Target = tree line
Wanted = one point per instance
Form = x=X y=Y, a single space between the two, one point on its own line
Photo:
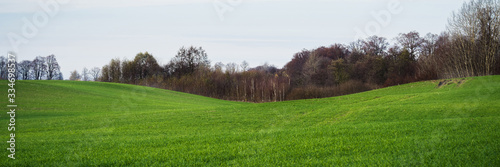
x=469 y=47
x=41 y=68
x=191 y=71
x=86 y=74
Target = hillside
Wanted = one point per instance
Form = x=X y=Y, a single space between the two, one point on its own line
x=437 y=123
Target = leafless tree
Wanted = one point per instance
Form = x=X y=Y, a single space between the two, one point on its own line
x=145 y=65
x=218 y=67
x=375 y=45
x=231 y=68
x=39 y=67
x=115 y=70
x=475 y=30
x=3 y=67
x=188 y=60
x=95 y=72
x=53 y=68
x=412 y=42
x=105 y=74
x=244 y=66
x=24 y=70
x=85 y=74
x=314 y=70
x=428 y=61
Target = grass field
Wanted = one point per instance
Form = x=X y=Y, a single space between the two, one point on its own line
x=434 y=123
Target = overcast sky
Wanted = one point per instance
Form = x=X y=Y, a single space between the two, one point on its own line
x=89 y=33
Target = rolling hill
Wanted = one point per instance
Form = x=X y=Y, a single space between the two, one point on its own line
x=437 y=123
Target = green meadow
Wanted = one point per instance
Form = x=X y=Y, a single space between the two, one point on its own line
x=434 y=123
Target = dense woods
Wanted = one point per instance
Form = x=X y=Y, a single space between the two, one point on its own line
x=470 y=47
x=41 y=68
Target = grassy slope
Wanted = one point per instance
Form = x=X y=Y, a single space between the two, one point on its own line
x=63 y=123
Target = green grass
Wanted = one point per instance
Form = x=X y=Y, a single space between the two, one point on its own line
x=64 y=123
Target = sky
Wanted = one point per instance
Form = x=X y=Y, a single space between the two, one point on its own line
x=89 y=33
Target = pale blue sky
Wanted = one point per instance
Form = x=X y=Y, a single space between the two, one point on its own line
x=89 y=33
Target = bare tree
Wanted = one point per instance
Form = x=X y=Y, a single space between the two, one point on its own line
x=428 y=45
x=218 y=67
x=357 y=46
x=105 y=74
x=39 y=68
x=428 y=62
x=130 y=72
x=475 y=30
x=115 y=70
x=375 y=45
x=53 y=68
x=95 y=72
x=244 y=66
x=188 y=60
x=231 y=68
x=3 y=67
x=412 y=42
x=294 y=69
x=85 y=74
x=315 y=69
x=24 y=70
x=145 y=65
